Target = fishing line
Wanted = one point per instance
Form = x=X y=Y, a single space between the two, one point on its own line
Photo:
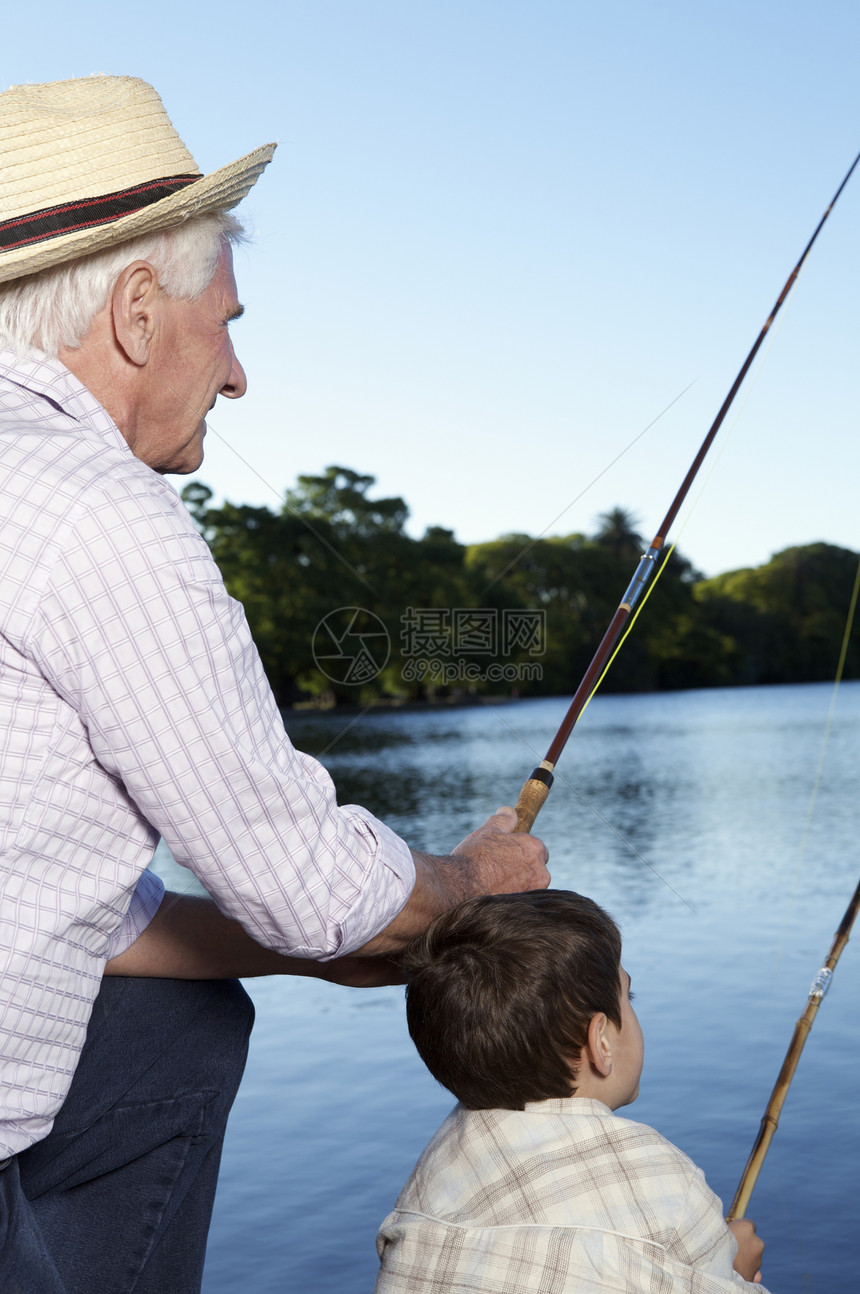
x=696 y=500
x=773 y=333
x=815 y=996
x=188 y=887
x=528 y=547
x=280 y=497
x=356 y=718
x=628 y=844
x=537 y=786
x=650 y=589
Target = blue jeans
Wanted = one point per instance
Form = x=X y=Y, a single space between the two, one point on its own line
x=118 y=1197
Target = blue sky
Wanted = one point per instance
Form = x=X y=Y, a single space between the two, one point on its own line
x=497 y=239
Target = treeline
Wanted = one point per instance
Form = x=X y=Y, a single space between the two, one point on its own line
x=343 y=603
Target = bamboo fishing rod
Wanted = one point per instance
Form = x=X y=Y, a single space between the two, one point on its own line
x=770 y=1119
x=817 y=991
x=536 y=787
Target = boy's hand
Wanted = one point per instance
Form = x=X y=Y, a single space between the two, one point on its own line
x=750 y=1249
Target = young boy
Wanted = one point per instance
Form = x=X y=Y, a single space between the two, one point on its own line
x=518 y=1004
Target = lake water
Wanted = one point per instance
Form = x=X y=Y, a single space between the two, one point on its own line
x=688 y=817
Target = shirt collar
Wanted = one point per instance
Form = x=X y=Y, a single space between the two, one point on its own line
x=46 y=377
x=576 y=1105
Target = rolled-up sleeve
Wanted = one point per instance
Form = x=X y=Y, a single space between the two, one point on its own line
x=137 y=632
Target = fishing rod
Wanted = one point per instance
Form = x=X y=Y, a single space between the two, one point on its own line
x=536 y=787
x=770 y=1119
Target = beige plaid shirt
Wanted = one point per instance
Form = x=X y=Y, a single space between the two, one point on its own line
x=561 y=1198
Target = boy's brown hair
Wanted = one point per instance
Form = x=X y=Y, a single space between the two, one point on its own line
x=501 y=990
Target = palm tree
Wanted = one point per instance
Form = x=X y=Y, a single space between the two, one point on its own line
x=617 y=532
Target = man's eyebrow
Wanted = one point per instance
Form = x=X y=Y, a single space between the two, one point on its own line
x=235 y=314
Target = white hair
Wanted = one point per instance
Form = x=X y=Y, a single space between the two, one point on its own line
x=43 y=312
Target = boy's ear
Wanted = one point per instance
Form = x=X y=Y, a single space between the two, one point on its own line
x=598 y=1045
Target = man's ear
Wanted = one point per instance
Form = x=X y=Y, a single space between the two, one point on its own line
x=134 y=309
x=598 y=1046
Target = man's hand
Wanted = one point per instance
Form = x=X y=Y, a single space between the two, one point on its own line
x=492 y=860
x=750 y=1249
x=502 y=861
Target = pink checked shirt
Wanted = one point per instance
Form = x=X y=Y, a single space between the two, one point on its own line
x=133 y=705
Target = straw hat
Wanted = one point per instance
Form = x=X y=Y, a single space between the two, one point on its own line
x=90 y=163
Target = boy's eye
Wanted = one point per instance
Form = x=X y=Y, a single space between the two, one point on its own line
x=630 y=995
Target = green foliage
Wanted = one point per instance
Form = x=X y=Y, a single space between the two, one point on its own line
x=339 y=500
x=333 y=546
x=787 y=618
x=617 y=532
x=329 y=547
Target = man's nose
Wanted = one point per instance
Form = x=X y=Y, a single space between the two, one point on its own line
x=237 y=384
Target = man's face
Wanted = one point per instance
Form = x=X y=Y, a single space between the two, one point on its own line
x=193 y=362
x=628 y=1048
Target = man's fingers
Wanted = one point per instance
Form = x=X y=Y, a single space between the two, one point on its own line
x=504 y=819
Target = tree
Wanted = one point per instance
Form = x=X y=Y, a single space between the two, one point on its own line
x=339 y=498
x=617 y=531
x=333 y=546
x=787 y=617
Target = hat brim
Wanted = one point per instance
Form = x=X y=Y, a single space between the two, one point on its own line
x=219 y=191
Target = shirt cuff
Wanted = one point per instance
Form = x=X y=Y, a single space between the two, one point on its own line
x=388 y=883
x=145 y=902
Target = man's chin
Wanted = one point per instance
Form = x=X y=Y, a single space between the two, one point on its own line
x=185 y=470
x=191 y=456
x=186 y=464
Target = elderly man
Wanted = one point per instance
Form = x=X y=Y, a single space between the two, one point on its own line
x=133 y=705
